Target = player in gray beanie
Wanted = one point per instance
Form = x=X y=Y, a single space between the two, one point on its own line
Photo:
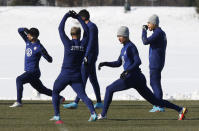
x=123 y=31
x=157 y=53
x=154 y=19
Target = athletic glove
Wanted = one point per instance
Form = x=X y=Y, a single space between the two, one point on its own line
x=123 y=75
x=101 y=64
x=26 y=31
x=85 y=61
x=145 y=27
x=73 y=14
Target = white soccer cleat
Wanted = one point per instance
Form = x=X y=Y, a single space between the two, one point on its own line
x=100 y=117
x=55 y=118
x=16 y=104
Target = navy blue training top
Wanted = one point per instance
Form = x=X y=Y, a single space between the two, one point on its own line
x=93 y=46
x=73 y=49
x=33 y=53
x=157 y=50
x=129 y=57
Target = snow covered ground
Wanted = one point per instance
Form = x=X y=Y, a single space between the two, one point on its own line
x=180 y=77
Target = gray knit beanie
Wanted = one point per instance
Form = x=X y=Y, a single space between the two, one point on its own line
x=154 y=19
x=123 y=31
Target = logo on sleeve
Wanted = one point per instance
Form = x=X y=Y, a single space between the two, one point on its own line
x=125 y=52
x=123 y=60
x=28 y=52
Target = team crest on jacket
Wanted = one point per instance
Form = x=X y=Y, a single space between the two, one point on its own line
x=35 y=48
x=28 y=52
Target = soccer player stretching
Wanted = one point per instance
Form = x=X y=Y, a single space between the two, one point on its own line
x=71 y=68
x=33 y=53
x=132 y=77
x=89 y=64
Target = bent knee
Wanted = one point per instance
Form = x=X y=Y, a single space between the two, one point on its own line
x=109 y=89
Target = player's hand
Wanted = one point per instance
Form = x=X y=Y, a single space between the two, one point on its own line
x=85 y=61
x=101 y=64
x=73 y=14
x=145 y=27
x=26 y=30
x=123 y=75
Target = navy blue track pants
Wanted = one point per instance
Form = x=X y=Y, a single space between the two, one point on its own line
x=77 y=85
x=89 y=71
x=35 y=82
x=139 y=83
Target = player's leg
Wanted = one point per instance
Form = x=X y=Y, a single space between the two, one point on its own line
x=155 y=82
x=79 y=89
x=85 y=73
x=59 y=85
x=146 y=93
x=95 y=84
x=20 y=81
x=118 y=85
x=38 y=85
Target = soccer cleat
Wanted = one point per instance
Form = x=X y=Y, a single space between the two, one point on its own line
x=55 y=118
x=62 y=100
x=160 y=109
x=59 y=122
x=98 y=105
x=71 y=105
x=157 y=109
x=93 y=117
x=153 y=109
x=182 y=113
x=16 y=104
x=100 y=117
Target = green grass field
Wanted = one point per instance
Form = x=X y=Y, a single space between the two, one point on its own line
x=122 y=116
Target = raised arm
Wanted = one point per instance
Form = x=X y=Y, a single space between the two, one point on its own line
x=63 y=36
x=86 y=31
x=150 y=39
x=23 y=33
x=134 y=55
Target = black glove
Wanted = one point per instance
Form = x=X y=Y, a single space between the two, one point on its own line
x=123 y=75
x=26 y=31
x=73 y=14
x=85 y=61
x=101 y=64
x=145 y=27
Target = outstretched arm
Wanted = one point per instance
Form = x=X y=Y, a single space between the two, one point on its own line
x=117 y=63
x=150 y=39
x=64 y=37
x=23 y=33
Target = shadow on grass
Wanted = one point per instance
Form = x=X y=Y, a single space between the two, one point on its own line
x=149 y=119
